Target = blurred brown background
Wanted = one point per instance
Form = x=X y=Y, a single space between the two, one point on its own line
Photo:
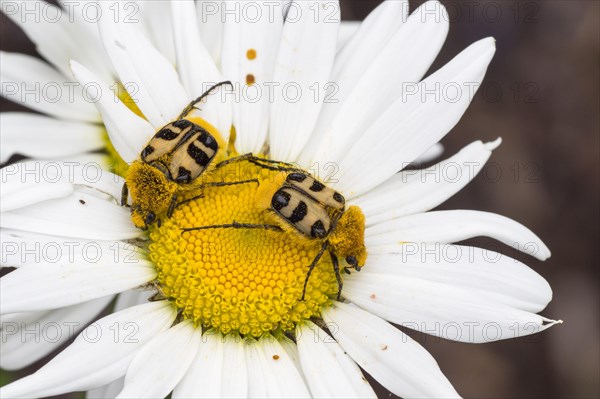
x=542 y=97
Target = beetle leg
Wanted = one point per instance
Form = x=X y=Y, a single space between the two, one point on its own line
x=312 y=267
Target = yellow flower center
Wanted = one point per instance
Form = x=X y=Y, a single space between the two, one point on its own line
x=248 y=280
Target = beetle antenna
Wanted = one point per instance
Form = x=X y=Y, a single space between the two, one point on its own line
x=192 y=104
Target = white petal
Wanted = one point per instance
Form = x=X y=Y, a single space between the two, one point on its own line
x=84 y=20
x=460 y=293
x=124 y=300
x=194 y=64
x=205 y=374
x=22 y=248
x=263 y=35
x=197 y=69
x=57 y=38
x=302 y=71
x=132 y=298
x=156 y=19
x=43 y=137
x=25 y=343
x=292 y=350
x=257 y=378
x=330 y=372
x=435 y=151
x=372 y=35
x=89 y=158
x=452 y=226
x=78 y=215
x=414 y=191
x=22 y=317
x=50 y=36
x=272 y=373
x=210 y=25
x=405 y=58
x=146 y=74
x=33 y=181
x=396 y=361
x=31 y=288
x=218 y=371
x=347 y=30
x=234 y=383
x=34 y=84
x=475 y=270
x=128 y=132
x=162 y=362
x=110 y=390
x=29 y=194
x=419 y=119
x=99 y=355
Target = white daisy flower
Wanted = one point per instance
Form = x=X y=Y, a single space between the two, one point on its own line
x=216 y=298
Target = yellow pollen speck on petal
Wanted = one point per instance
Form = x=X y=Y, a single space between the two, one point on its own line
x=250 y=79
x=245 y=280
x=251 y=54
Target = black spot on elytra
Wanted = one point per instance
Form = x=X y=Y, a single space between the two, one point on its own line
x=147 y=151
x=297 y=177
x=339 y=198
x=209 y=141
x=299 y=213
x=317 y=186
x=181 y=123
x=166 y=134
x=280 y=200
x=317 y=230
x=198 y=155
x=183 y=175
